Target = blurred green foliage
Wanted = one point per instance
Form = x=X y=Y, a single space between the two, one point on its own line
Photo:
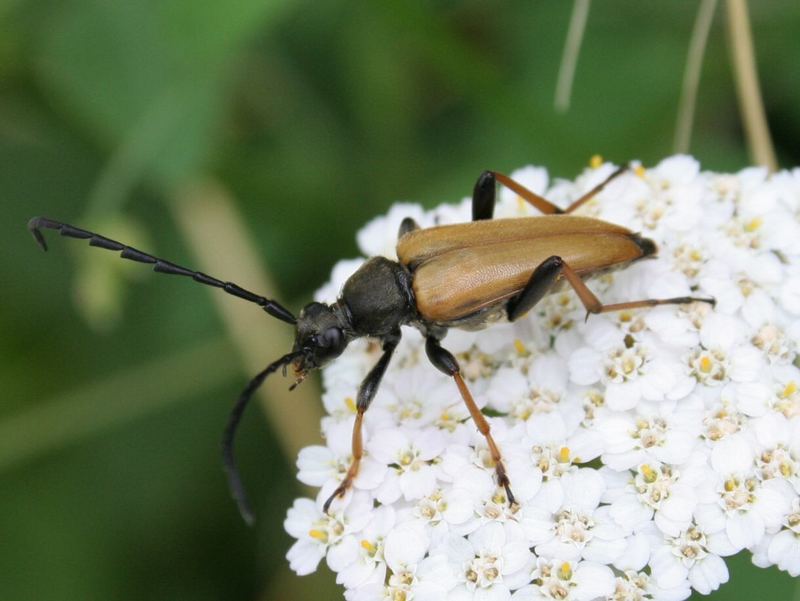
x=317 y=116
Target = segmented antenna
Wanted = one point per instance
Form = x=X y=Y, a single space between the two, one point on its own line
x=228 y=460
x=272 y=307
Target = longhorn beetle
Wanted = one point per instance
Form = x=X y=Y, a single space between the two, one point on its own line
x=453 y=276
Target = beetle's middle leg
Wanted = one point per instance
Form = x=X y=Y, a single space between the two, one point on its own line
x=366 y=392
x=444 y=361
x=485 y=192
x=548 y=271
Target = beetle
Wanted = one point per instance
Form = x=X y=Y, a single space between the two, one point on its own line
x=464 y=275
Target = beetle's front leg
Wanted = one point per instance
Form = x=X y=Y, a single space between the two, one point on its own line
x=446 y=363
x=366 y=392
x=548 y=271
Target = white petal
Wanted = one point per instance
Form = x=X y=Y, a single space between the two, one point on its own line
x=667 y=569
x=547 y=428
x=621 y=397
x=772 y=504
x=747 y=364
x=343 y=553
x=528 y=593
x=752 y=397
x=304 y=557
x=430 y=443
x=592 y=580
x=489 y=537
x=315 y=465
x=418 y=483
x=300 y=517
x=745 y=529
x=636 y=554
x=706 y=575
x=583 y=490
x=732 y=454
x=784 y=550
x=584 y=366
x=405 y=545
x=386 y=444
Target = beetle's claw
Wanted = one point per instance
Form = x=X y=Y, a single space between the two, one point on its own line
x=339 y=492
x=503 y=480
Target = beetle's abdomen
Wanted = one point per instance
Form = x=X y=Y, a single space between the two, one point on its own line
x=465 y=269
x=378 y=297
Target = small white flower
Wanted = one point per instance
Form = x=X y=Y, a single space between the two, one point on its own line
x=694 y=555
x=567 y=581
x=656 y=492
x=571 y=526
x=318 y=465
x=524 y=396
x=318 y=533
x=410 y=472
x=639 y=585
x=746 y=506
x=782 y=549
x=778 y=449
x=492 y=560
x=631 y=370
x=360 y=558
x=656 y=433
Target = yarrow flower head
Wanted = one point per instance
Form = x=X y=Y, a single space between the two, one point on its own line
x=642 y=446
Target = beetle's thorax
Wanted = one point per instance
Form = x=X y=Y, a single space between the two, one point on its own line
x=377 y=299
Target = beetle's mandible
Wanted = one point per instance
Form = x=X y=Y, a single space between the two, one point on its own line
x=454 y=276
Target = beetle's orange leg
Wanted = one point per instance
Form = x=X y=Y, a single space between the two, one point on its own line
x=366 y=392
x=540 y=202
x=444 y=361
x=545 y=275
x=594 y=191
x=483 y=196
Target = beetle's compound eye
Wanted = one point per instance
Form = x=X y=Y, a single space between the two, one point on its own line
x=330 y=338
x=328 y=345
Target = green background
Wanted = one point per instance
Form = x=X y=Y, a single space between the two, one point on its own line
x=314 y=117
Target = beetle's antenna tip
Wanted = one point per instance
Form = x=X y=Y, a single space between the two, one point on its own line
x=33 y=228
x=248 y=517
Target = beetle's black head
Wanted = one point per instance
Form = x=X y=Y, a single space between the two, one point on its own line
x=320 y=337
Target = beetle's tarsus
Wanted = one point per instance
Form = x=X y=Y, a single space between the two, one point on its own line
x=340 y=491
x=504 y=481
x=33 y=228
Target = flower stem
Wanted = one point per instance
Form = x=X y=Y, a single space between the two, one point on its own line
x=750 y=100
x=210 y=224
x=691 y=76
x=569 y=60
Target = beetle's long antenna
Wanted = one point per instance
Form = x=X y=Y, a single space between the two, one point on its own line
x=228 y=460
x=272 y=307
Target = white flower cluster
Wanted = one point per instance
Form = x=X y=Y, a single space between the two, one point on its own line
x=642 y=446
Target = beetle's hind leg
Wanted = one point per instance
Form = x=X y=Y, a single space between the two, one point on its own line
x=446 y=363
x=485 y=192
x=366 y=392
x=545 y=275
